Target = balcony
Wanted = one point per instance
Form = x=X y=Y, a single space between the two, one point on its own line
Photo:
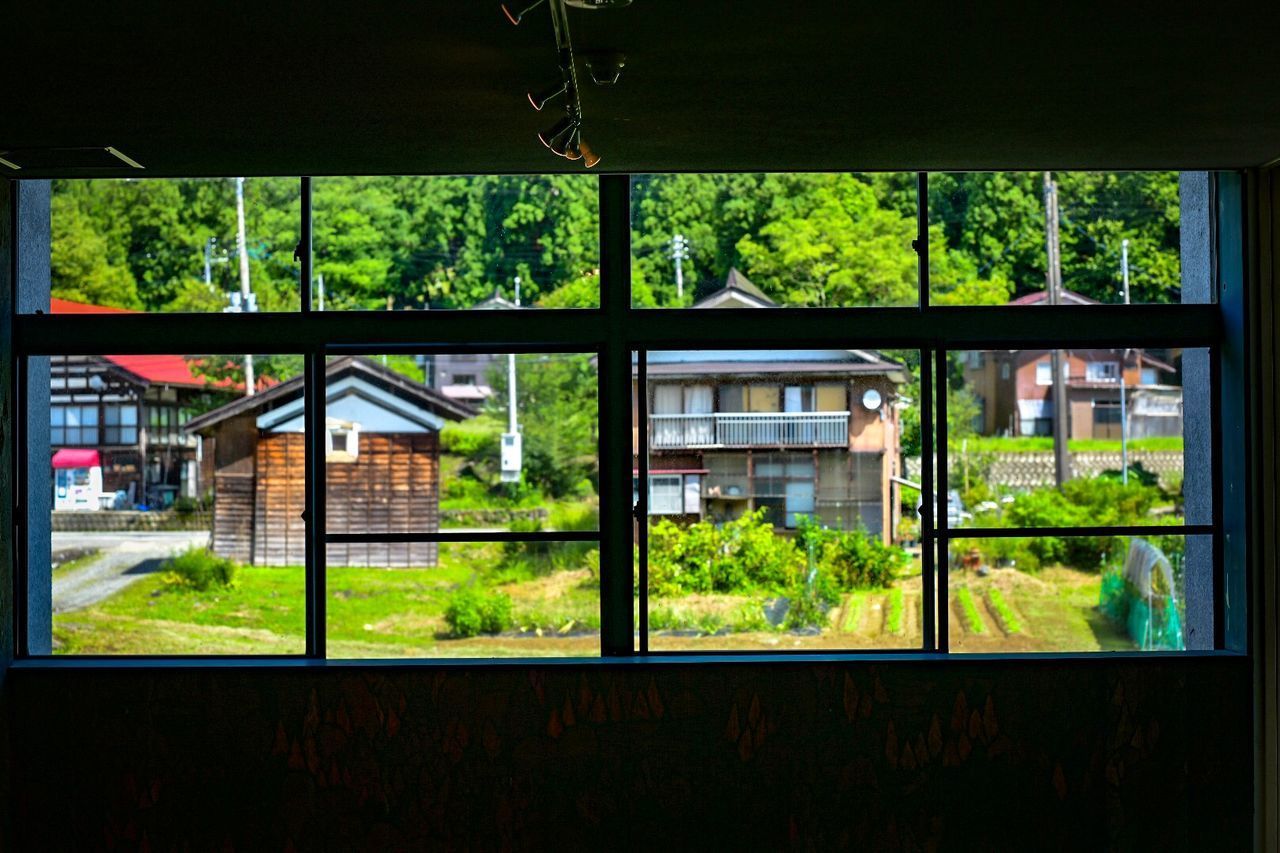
x=750 y=429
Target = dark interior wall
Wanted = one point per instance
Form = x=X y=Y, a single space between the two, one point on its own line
x=1031 y=754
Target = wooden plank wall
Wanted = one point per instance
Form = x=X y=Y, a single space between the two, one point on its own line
x=279 y=500
x=391 y=487
x=233 y=516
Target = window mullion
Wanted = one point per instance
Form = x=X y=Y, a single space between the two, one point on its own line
x=940 y=505
x=617 y=629
x=314 y=436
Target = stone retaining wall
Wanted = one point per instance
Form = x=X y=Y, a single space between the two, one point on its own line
x=1032 y=470
x=124 y=520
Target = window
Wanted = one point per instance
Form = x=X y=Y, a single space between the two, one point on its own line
x=1102 y=371
x=121 y=424
x=829 y=465
x=666 y=495
x=74 y=425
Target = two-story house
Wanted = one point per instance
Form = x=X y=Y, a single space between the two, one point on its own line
x=809 y=432
x=116 y=426
x=1014 y=388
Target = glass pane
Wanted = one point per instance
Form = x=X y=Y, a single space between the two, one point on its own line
x=1080 y=593
x=173 y=244
x=411 y=449
x=988 y=238
x=474 y=599
x=1136 y=452
x=497 y=242
x=784 y=528
x=773 y=240
x=178 y=542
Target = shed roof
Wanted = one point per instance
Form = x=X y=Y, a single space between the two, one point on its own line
x=370 y=371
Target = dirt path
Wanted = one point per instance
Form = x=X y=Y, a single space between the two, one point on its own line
x=124 y=558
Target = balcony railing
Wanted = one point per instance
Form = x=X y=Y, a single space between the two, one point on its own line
x=750 y=429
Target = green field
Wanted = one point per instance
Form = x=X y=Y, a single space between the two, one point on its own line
x=399 y=613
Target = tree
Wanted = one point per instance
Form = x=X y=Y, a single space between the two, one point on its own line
x=557 y=400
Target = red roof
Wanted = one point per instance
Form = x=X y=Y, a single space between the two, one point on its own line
x=66 y=306
x=156 y=369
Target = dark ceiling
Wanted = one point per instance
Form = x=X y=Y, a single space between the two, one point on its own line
x=375 y=86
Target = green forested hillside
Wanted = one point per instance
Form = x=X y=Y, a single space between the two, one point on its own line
x=449 y=242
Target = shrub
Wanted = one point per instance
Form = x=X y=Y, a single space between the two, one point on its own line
x=858 y=560
x=471 y=612
x=474 y=438
x=200 y=569
x=744 y=554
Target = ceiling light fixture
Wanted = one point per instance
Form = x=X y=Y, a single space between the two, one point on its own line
x=539 y=99
x=564 y=138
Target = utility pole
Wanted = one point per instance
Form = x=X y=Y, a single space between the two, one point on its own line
x=511 y=376
x=680 y=253
x=320 y=279
x=246 y=300
x=1053 y=282
x=1124 y=356
x=511 y=456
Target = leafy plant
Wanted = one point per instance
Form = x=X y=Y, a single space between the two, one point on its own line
x=471 y=612
x=1008 y=619
x=969 y=609
x=200 y=569
x=896 y=613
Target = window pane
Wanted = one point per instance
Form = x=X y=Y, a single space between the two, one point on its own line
x=770 y=240
x=988 y=238
x=1001 y=446
x=1080 y=593
x=172 y=244
x=411 y=450
x=474 y=599
x=414 y=242
x=783 y=527
x=183 y=544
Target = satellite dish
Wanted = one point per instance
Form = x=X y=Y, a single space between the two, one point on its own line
x=871 y=399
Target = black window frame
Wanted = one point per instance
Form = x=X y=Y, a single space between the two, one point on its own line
x=620 y=336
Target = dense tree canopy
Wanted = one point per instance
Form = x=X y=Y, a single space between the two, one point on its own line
x=450 y=242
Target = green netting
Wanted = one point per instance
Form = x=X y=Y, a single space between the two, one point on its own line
x=1140 y=599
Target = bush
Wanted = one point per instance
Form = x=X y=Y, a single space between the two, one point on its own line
x=471 y=612
x=743 y=554
x=200 y=569
x=858 y=560
x=1100 y=501
x=474 y=438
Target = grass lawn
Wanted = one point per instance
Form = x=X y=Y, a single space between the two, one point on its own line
x=371 y=613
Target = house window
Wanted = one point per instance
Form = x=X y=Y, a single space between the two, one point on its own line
x=803 y=314
x=73 y=425
x=120 y=424
x=1004 y=370
x=464 y=379
x=666 y=494
x=1102 y=371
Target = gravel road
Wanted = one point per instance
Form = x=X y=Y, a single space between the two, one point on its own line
x=124 y=559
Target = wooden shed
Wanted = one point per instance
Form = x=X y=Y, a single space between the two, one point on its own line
x=382 y=471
